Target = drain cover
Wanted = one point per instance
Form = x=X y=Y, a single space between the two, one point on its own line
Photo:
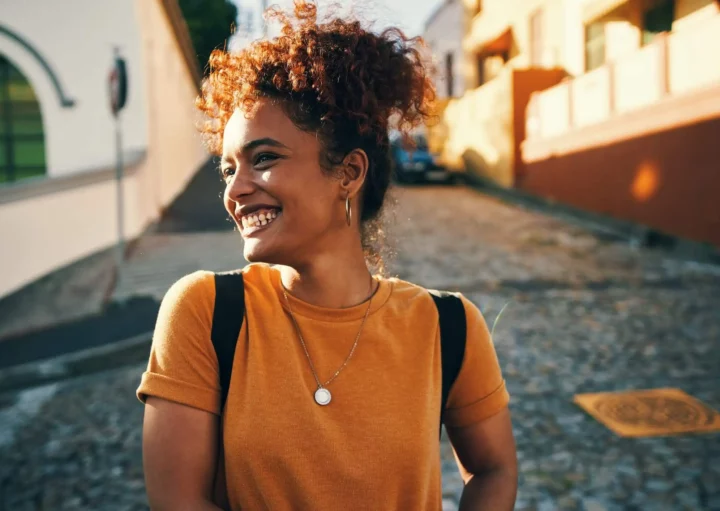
x=655 y=412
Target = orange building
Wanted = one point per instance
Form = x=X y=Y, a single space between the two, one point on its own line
x=637 y=135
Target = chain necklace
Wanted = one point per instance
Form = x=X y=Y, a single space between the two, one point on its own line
x=322 y=394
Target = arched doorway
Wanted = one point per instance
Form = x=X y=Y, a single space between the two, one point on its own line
x=22 y=139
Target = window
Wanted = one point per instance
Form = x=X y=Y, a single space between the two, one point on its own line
x=449 y=78
x=594 y=46
x=22 y=142
x=657 y=19
x=536 y=39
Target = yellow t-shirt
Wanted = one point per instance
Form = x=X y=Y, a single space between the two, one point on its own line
x=375 y=446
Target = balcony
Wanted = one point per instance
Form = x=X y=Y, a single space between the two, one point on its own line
x=669 y=83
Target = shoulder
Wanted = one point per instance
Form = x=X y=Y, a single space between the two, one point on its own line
x=258 y=273
x=196 y=283
x=413 y=292
x=194 y=293
x=407 y=291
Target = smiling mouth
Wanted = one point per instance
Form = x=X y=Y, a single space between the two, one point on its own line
x=258 y=220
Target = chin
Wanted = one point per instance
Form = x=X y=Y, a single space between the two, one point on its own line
x=255 y=252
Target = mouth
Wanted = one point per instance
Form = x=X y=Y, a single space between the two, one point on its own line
x=258 y=220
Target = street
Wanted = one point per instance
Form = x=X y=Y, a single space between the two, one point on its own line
x=583 y=312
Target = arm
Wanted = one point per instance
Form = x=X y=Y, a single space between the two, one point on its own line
x=486 y=455
x=179 y=456
x=181 y=392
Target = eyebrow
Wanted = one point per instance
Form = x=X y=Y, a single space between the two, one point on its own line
x=262 y=141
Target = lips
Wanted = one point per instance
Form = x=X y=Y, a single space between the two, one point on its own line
x=256 y=219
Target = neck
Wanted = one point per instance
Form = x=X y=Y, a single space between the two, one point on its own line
x=331 y=280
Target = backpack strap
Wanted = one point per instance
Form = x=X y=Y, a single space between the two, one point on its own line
x=453 y=333
x=228 y=317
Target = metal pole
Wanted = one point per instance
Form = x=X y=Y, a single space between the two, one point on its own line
x=120 y=248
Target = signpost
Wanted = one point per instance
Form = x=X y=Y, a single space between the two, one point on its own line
x=118 y=86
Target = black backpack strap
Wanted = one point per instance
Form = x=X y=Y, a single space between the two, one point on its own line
x=453 y=333
x=228 y=317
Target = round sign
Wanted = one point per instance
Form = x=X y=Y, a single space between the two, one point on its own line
x=118 y=85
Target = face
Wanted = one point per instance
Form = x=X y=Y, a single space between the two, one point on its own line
x=285 y=207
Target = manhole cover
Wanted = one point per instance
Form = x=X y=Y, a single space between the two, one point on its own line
x=653 y=412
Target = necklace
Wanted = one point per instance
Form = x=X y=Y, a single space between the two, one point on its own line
x=322 y=394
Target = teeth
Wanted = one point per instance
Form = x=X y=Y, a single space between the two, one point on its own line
x=257 y=220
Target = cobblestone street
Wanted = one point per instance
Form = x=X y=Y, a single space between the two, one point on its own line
x=583 y=313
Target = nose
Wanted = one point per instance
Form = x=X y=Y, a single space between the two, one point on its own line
x=240 y=184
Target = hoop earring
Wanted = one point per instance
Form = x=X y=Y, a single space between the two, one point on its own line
x=348 y=211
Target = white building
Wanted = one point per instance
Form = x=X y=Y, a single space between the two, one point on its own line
x=444 y=35
x=57 y=137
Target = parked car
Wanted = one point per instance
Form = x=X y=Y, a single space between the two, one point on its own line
x=413 y=161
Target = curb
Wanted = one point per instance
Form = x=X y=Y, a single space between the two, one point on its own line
x=92 y=360
x=637 y=235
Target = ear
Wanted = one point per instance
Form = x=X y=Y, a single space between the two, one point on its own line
x=354 y=171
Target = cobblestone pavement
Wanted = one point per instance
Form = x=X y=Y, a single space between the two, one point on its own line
x=584 y=313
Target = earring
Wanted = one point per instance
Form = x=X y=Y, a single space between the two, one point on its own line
x=348 y=211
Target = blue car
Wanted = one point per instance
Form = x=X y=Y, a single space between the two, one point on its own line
x=415 y=164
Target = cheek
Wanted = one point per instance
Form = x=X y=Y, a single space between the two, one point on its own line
x=227 y=203
x=314 y=201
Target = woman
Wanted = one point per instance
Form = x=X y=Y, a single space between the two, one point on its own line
x=334 y=398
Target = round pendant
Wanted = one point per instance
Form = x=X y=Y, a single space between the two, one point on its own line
x=322 y=396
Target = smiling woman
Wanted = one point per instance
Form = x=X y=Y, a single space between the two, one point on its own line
x=339 y=378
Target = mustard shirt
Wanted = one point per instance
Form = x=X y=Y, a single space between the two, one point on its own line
x=375 y=446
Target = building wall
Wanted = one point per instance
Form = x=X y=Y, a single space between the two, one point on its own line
x=667 y=180
x=76 y=37
x=175 y=147
x=487 y=125
x=444 y=34
x=498 y=15
x=480 y=130
x=688 y=12
x=636 y=139
x=623 y=26
x=71 y=214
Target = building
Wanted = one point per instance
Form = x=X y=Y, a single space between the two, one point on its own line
x=444 y=34
x=58 y=193
x=636 y=134
x=511 y=48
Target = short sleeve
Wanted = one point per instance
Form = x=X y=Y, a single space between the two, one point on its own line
x=183 y=366
x=479 y=391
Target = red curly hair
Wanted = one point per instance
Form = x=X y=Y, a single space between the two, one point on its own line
x=335 y=79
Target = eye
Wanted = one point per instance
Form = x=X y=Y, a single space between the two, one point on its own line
x=227 y=172
x=264 y=158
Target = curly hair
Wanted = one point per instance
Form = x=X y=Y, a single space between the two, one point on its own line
x=335 y=79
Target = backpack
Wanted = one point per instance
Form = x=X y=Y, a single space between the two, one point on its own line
x=229 y=313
